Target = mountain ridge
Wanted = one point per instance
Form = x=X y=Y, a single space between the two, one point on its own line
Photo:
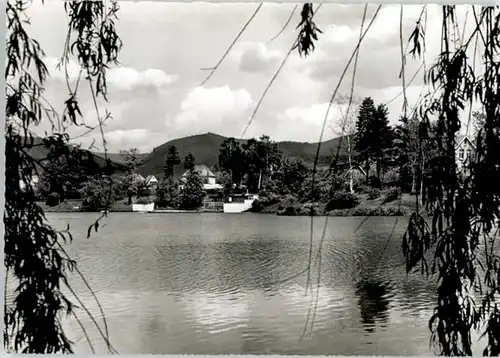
x=205 y=148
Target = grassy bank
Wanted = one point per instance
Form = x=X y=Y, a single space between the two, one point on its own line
x=367 y=204
x=70 y=206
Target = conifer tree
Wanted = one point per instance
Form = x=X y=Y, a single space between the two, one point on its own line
x=364 y=139
x=383 y=138
x=171 y=160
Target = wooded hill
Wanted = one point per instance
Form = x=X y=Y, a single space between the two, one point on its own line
x=39 y=152
x=205 y=148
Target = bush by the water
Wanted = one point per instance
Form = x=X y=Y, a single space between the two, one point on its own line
x=300 y=210
x=52 y=199
x=263 y=202
x=288 y=200
x=342 y=200
x=373 y=194
x=374 y=182
x=392 y=194
x=364 y=211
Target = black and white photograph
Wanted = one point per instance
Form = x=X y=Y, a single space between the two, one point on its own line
x=251 y=178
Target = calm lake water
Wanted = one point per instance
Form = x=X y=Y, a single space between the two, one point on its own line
x=220 y=284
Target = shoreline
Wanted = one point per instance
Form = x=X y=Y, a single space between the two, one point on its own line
x=373 y=208
x=402 y=206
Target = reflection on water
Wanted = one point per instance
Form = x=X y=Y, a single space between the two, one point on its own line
x=373 y=303
x=220 y=284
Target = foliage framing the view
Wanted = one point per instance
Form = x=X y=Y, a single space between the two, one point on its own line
x=465 y=209
x=34 y=252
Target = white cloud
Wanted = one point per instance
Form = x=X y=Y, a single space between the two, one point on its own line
x=255 y=57
x=304 y=123
x=144 y=91
x=130 y=135
x=126 y=78
x=121 y=78
x=211 y=109
x=61 y=70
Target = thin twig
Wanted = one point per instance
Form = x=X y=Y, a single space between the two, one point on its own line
x=403 y=90
x=355 y=52
x=389 y=239
x=91 y=291
x=310 y=255
x=403 y=62
x=261 y=99
x=89 y=314
x=470 y=102
x=330 y=103
x=317 y=263
x=353 y=82
x=84 y=330
x=232 y=44
x=285 y=25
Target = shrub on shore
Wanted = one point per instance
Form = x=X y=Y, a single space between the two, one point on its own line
x=263 y=202
x=301 y=210
x=373 y=194
x=342 y=200
x=393 y=194
x=364 y=211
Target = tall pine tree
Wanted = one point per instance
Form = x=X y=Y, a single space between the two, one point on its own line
x=231 y=159
x=364 y=133
x=374 y=139
x=171 y=160
x=406 y=147
x=383 y=139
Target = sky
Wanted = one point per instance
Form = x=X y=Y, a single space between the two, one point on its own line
x=155 y=93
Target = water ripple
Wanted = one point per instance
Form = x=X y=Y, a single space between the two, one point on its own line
x=220 y=284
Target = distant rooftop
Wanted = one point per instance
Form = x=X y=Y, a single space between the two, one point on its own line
x=202 y=170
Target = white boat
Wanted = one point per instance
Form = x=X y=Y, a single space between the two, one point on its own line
x=239 y=203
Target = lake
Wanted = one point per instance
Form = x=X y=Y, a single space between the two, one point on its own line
x=224 y=284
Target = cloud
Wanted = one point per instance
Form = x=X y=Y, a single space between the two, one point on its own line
x=145 y=88
x=120 y=78
x=379 y=62
x=304 y=123
x=59 y=70
x=256 y=57
x=125 y=78
x=214 y=109
x=136 y=136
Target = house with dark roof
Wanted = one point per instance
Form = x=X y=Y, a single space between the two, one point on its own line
x=207 y=176
x=137 y=178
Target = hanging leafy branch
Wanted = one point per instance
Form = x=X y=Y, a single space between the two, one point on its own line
x=308 y=33
x=465 y=207
x=34 y=255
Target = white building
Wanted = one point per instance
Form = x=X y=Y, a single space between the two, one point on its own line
x=152 y=182
x=207 y=176
x=465 y=150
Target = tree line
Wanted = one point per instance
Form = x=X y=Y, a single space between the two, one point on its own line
x=382 y=156
x=385 y=155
